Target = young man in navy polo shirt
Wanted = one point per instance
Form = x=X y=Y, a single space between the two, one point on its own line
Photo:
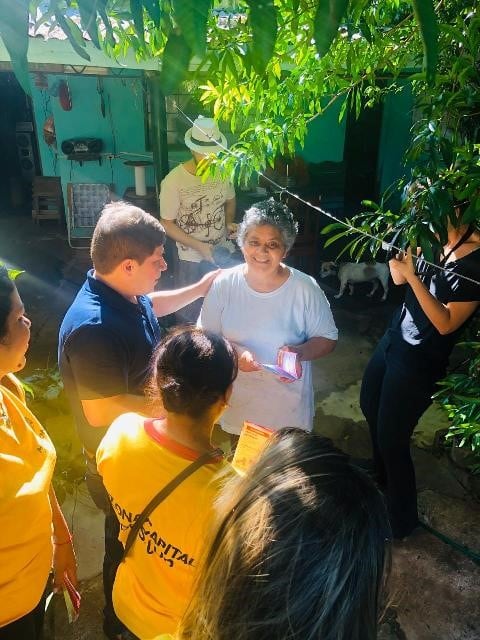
x=105 y=343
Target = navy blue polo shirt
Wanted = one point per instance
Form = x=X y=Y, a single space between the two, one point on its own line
x=104 y=349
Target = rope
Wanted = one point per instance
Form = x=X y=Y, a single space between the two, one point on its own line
x=464 y=550
x=472 y=555
x=350 y=227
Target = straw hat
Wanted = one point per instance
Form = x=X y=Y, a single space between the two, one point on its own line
x=204 y=135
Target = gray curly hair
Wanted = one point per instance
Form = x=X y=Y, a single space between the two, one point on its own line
x=269 y=212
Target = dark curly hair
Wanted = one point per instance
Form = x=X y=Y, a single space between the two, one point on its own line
x=273 y=213
x=191 y=369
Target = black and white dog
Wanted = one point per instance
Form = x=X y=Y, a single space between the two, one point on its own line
x=353 y=272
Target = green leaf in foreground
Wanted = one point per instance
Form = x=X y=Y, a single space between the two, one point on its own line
x=327 y=20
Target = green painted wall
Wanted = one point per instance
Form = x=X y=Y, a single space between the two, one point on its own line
x=122 y=128
x=395 y=138
x=325 y=138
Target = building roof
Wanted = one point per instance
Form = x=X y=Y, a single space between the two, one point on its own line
x=49 y=46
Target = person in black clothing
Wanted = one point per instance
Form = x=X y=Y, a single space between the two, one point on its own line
x=412 y=357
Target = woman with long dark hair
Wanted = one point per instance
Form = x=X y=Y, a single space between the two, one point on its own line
x=300 y=550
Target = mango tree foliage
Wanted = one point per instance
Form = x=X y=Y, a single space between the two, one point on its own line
x=270 y=111
x=269 y=66
x=266 y=68
x=444 y=154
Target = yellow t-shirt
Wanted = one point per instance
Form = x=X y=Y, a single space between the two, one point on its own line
x=153 y=586
x=27 y=460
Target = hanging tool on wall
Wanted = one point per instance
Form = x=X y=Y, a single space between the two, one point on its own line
x=60 y=89
x=100 y=91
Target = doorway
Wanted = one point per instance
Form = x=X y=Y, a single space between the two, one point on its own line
x=362 y=139
x=19 y=160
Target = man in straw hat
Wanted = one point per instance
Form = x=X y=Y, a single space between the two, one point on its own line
x=197 y=213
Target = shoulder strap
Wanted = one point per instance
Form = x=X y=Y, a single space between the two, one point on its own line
x=463 y=239
x=205 y=458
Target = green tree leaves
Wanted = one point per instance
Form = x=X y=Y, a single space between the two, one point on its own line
x=136 y=9
x=275 y=34
x=427 y=23
x=88 y=17
x=176 y=57
x=14 y=33
x=264 y=26
x=189 y=38
x=191 y=17
x=154 y=11
x=12 y=273
x=327 y=20
x=73 y=33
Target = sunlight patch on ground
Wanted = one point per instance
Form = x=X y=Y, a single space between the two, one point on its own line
x=343 y=404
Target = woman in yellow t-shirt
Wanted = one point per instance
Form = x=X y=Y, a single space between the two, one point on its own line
x=30 y=518
x=192 y=376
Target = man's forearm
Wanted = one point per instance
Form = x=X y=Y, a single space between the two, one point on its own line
x=100 y=413
x=165 y=302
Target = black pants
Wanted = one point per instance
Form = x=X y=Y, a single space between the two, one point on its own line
x=396 y=390
x=113 y=547
x=28 y=627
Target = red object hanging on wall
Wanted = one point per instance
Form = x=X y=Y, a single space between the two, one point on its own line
x=64 y=96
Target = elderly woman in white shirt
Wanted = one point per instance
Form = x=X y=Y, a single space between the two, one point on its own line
x=265 y=308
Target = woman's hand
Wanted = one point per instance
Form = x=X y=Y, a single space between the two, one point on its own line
x=401 y=267
x=232 y=228
x=206 y=251
x=247 y=362
x=298 y=365
x=64 y=562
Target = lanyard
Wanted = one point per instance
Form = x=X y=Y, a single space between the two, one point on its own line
x=463 y=239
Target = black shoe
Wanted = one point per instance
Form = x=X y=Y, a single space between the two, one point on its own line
x=402 y=534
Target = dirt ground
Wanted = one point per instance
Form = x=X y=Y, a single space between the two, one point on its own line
x=434 y=588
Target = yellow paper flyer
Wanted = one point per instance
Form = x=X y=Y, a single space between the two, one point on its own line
x=253 y=440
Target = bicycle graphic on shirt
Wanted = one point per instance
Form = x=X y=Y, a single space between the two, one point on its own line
x=204 y=216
